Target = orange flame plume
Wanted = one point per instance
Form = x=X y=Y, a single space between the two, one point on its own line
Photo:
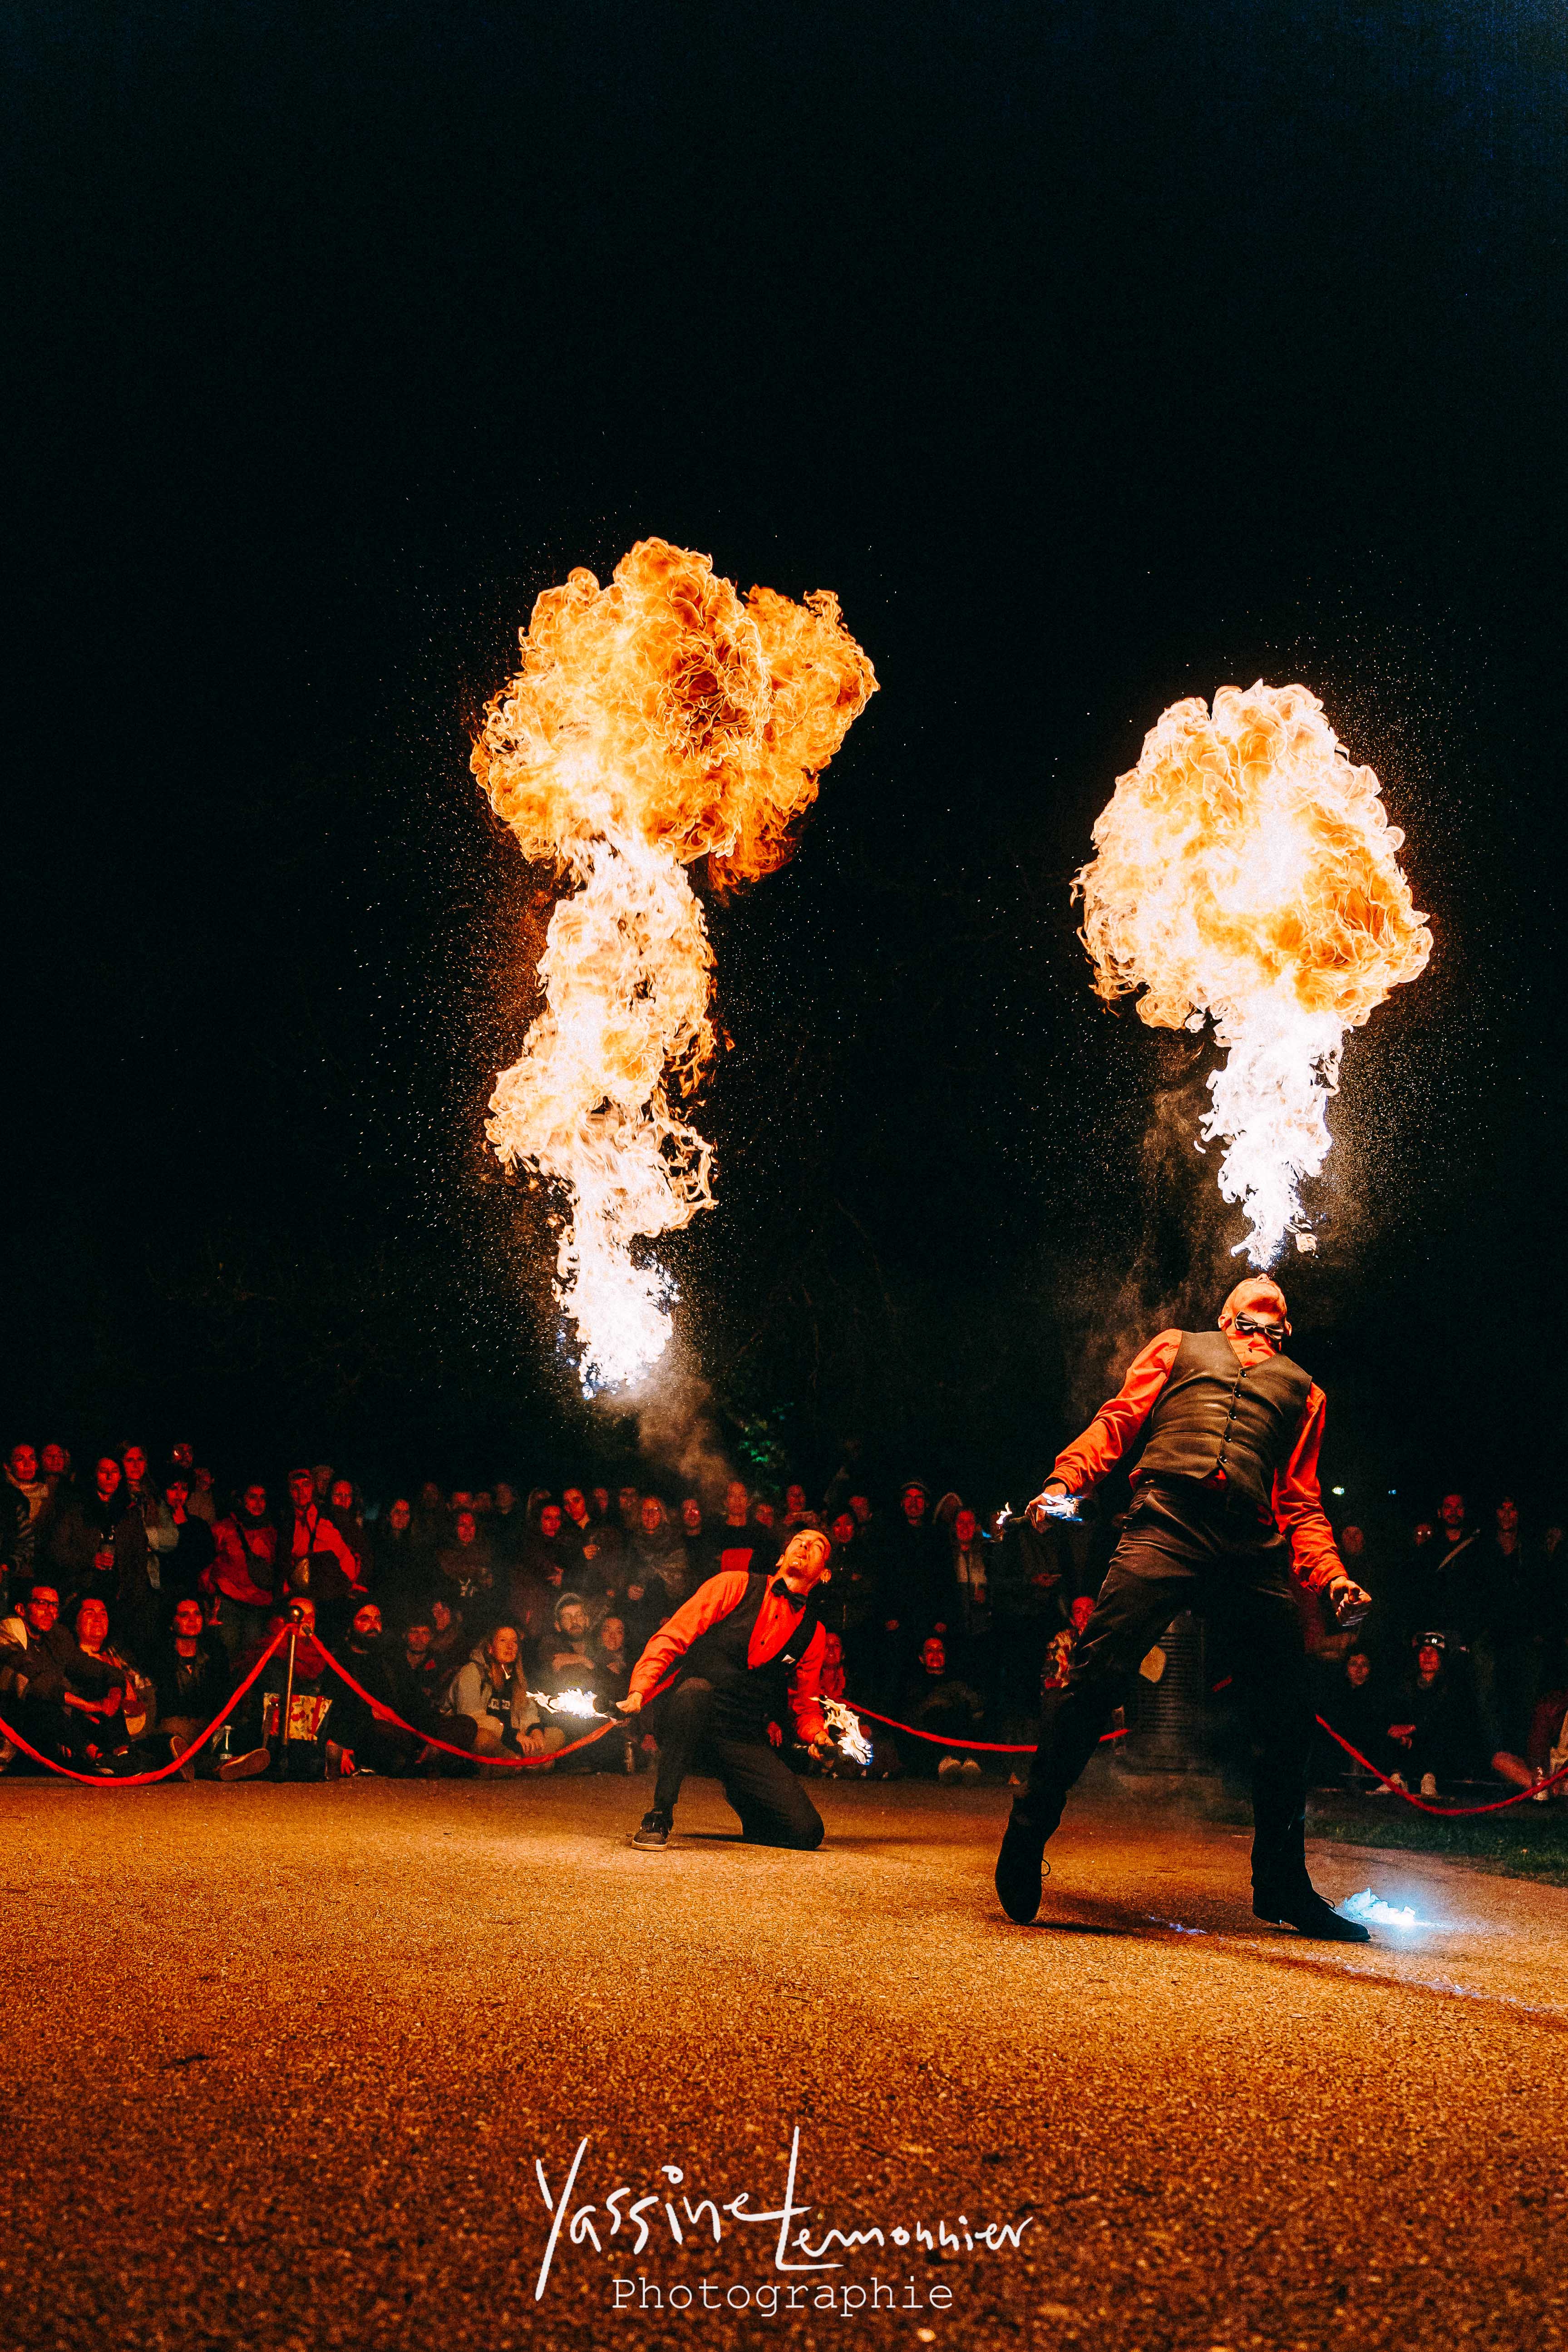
x=1246 y=872
x=652 y=724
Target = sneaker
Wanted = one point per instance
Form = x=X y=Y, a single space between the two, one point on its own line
x=949 y=1768
x=1389 y=1788
x=245 y=1767
x=970 y=1767
x=654 y=1834
x=186 y=1762
x=1428 y=1784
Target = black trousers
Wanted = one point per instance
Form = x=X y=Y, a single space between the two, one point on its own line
x=695 y=1732
x=1181 y=1551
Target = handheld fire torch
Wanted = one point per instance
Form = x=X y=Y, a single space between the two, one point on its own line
x=844 y=1725
x=570 y=1702
x=1062 y=1508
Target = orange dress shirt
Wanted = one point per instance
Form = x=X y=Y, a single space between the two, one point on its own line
x=1297 y=1502
x=776 y=1621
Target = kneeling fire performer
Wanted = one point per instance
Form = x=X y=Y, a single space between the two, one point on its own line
x=752 y=1649
x=1224 y=1505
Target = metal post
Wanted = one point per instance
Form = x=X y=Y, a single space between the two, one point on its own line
x=295 y=1618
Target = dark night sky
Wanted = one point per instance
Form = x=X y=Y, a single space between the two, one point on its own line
x=1094 y=356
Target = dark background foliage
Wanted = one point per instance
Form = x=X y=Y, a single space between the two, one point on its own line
x=1094 y=356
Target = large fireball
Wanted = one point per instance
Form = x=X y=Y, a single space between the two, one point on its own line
x=1246 y=873
x=651 y=723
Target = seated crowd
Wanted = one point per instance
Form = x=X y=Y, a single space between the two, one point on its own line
x=483 y=1627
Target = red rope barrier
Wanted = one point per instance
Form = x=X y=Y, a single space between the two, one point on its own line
x=146 y=1780
x=384 y=1714
x=986 y=1747
x=1442 y=1812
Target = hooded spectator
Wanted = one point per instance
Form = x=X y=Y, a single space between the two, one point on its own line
x=491 y=1690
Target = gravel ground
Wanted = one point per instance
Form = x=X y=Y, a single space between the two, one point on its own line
x=281 y=2061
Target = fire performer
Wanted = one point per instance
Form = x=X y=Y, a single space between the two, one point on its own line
x=1225 y=1500
x=752 y=1649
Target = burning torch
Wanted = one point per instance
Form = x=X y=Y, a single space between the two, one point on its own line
x=844 y=1728
x=570 y=1702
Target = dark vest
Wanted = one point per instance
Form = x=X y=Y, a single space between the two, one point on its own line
x=1230 y=1424
x=748 y=1698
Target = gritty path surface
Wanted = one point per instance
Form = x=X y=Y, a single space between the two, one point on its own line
x=280 y=2061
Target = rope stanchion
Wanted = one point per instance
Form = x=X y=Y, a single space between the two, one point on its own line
x=147 y=1779
x=1422 y=1804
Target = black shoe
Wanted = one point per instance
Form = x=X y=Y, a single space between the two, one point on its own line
x=654 y=1834
x=1306 y=1911
x=1020 y=1866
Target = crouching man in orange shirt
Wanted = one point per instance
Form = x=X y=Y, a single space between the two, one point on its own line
x=750 y=1649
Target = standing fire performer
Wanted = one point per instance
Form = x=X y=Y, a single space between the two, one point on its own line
x=1225 y=1502
x=752 y=1648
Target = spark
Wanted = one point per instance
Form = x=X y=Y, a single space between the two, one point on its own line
x=1371 y=1908
x=569 y=1702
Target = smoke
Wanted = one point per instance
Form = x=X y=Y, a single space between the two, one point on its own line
x=677 y=1428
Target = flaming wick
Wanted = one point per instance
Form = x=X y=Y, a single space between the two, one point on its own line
x=569 y=1702
x=845 y=1725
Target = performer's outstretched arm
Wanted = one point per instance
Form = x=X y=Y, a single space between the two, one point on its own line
x=675 y=1636
x=1299 y=1504
x=1115 y=1427
x=805 y=1690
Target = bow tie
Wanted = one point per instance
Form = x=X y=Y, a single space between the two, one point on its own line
x=795 y=1599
